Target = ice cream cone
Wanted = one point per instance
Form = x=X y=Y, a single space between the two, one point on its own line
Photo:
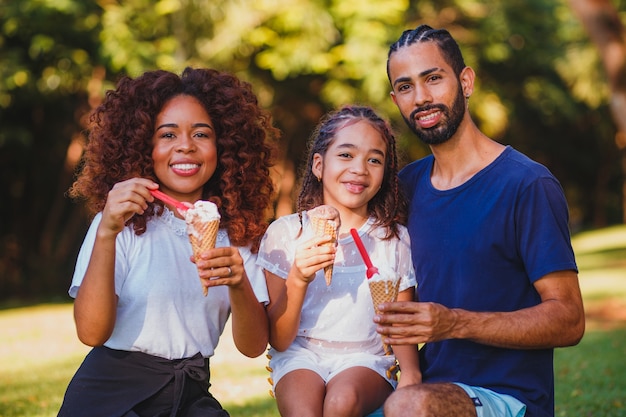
x=382 y=291
x=203 y=221
x=325 y=227
x=325 y=221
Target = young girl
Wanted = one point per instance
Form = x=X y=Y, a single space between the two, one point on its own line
x=326 y=358
x=138 y=298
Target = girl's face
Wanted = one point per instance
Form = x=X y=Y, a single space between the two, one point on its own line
x=353 y=168
x=185 y=148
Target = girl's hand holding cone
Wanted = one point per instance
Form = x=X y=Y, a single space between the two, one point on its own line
x=313 y=255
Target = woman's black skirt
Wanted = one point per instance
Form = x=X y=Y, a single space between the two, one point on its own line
x=112 y=383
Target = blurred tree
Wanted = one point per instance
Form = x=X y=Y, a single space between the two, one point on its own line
x=539 y=89
x=529 y=56
x=602 y=21
x=303 y=57
x=49 y=53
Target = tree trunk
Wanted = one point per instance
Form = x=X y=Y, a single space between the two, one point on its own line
x=602 y=22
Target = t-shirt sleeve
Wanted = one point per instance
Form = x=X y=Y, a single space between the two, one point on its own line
x=277 y=248
x=255 y=275
x=542 y=221
x=84 y=256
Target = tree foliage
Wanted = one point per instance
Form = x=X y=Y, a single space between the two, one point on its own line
x=606 y=30
x=49 y=50
x=540 y=88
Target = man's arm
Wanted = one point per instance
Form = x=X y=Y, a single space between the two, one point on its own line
x=556 y=322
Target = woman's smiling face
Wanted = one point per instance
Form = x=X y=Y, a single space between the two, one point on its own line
x=185 y=148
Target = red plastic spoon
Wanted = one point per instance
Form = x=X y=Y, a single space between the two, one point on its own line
x=371 y=269
x=167 y=199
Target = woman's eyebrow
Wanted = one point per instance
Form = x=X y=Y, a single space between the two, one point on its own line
x=172 y=125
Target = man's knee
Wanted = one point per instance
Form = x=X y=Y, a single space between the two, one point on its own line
x=429 y=400
x=400 y=401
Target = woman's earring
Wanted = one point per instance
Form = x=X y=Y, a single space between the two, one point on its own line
x=319 y=179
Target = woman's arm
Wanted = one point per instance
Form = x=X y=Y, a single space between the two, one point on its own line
x=96 y=302
x=225 y=266
x=249 y=319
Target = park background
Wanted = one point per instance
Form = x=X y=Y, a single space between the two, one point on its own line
x=551 y=82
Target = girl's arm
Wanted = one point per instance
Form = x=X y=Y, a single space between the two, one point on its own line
x=287 y=295
x=407 y=355
x=286 y=300
x=96 y=302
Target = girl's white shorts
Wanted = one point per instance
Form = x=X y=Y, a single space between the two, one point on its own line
x=329 y=359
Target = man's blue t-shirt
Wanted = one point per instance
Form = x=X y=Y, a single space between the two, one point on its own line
x=480 y=247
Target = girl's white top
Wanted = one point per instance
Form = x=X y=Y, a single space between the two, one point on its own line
x=161 y=310
x=342 y=312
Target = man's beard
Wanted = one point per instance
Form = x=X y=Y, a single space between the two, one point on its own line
x=447 y=128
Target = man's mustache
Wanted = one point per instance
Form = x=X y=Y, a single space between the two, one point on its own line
x=426 y=108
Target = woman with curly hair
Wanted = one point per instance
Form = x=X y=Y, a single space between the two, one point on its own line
x=326 y=357
x=201 y=135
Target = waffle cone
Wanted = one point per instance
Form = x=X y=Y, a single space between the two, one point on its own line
x=203 y=236
x=325 y=227
x=383 y=291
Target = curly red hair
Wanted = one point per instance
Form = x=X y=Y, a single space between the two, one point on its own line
x=120 y=145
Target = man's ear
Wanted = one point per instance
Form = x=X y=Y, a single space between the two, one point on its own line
x=467 y=77
x=393 y=97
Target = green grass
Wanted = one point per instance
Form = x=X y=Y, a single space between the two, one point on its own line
x=35 y=392
x=591 y=377
x=39 y=351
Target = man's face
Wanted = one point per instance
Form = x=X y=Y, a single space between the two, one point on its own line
x=427 y=92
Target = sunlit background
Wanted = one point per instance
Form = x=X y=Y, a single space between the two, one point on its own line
x=544 y=86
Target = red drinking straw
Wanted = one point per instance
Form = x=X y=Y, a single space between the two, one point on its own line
x=167 y=199
x=371 y=269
